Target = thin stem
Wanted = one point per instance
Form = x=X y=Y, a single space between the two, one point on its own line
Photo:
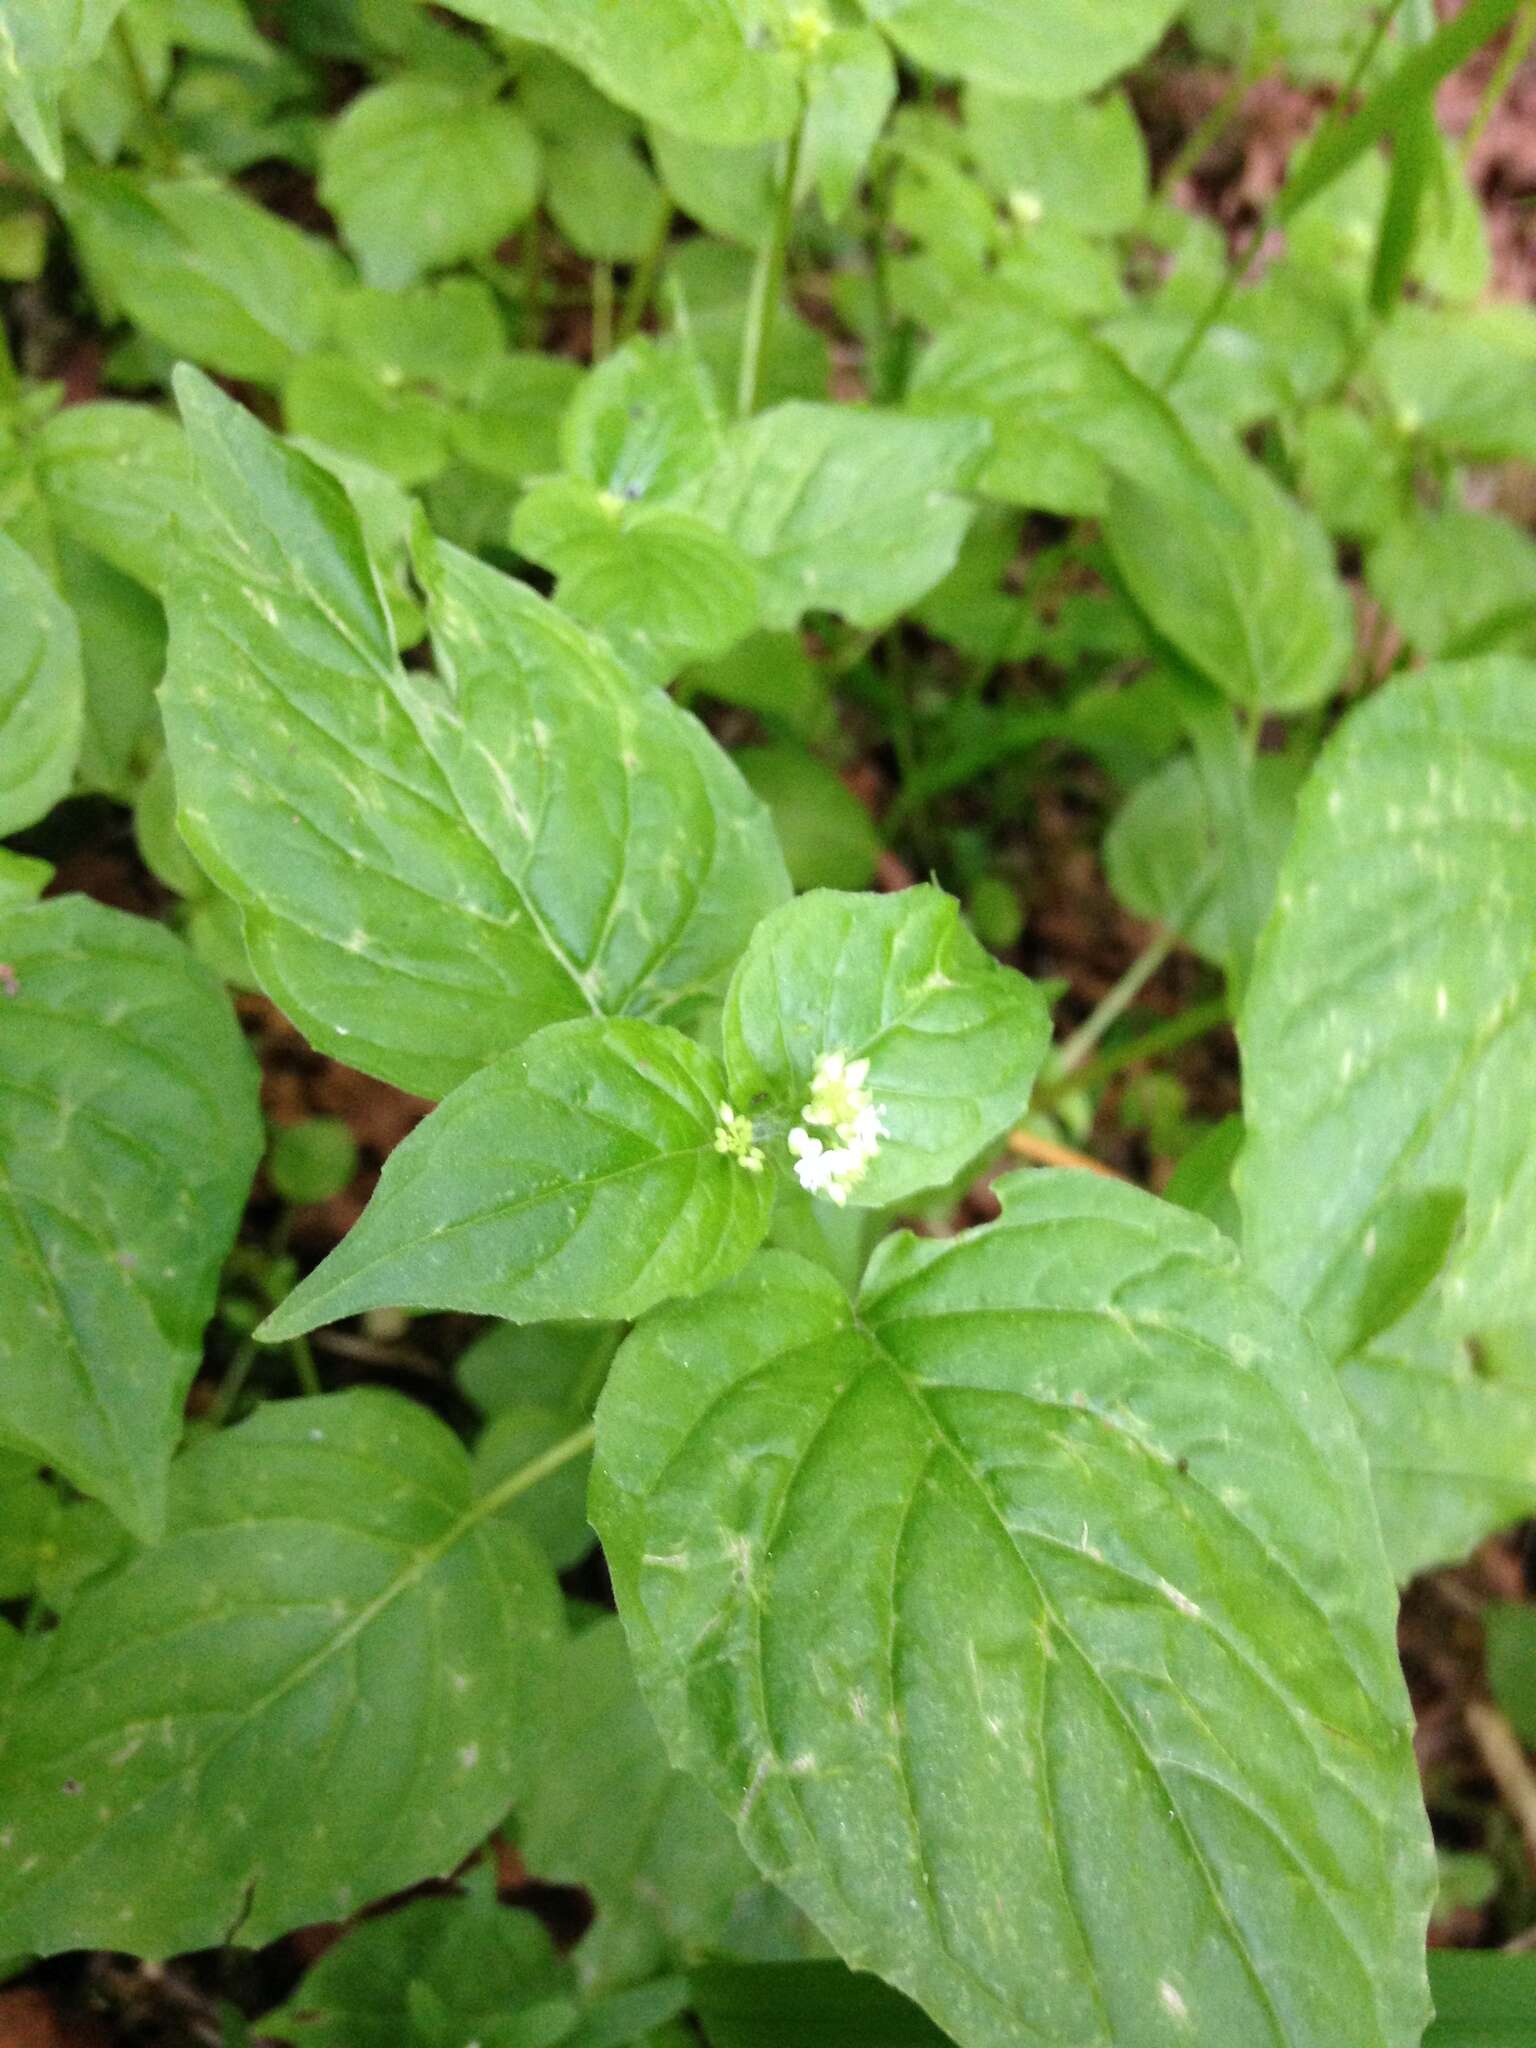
x=1203 y=137
x=304 y=1366
x=233 y=1383
x=533 y=281
x=1130 y=985
x=602 y=311
x=528 y=1476
x=1192 y=1023
x=1521 y=36
x=1218 y=303
x=642 y=284
x=1046 y=1152
x=768 y=276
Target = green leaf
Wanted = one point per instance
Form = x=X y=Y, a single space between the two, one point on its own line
x=814 y=2005
x=204 y=269
x=1453 y=380
x=1064 y=409
x=662 y=586
x=841 y=510
x=432 y=867
x=705 y=68
x=1049 y=49
x=42 y=691
x=118 y=480
x=603 y=198
x=558 y=1365
x=1234 y=574
x=22 y=879
x=1457 y=582
x=1005 y=1615
x=1081 y=161
x=606 y=1811
x=1481 y=2000
x=1450 y=1436
x=336 y=1598
x=44 y=44
x=828 y=836
x=29 y=1522
x=1378 y=1042
x=481 y=1963
x=130 y=1134
x=122 y=652
x=578 y=1177
x=446 y=335
x=644 y=423
x=953 y=1038
x=512 y=430
x=420 y=176
x=328 y=399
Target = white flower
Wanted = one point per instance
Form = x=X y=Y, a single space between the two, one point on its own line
x=733 y=1137
x=840 y=1103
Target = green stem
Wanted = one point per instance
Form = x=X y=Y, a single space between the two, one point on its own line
x=304 y=1366
x=1521 y=37
x=533 y=281
x=1114 y=1005
x=1222 y=297
x=233 y=1383
x=1192 y=1023
x=602 y=311
x=768 y=276
x=642 y=285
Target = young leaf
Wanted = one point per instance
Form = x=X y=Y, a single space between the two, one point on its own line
x=44 y=44
x=322 y=1688
x=606 y=1811
x=483 y=1966
x=577 y=1177
x=953 y=1038
x=420 y=176
x=644 y=423
x=129 y=1134
x=1383 y=1047
x=42 y=691
x=842 y=511
x=705 y=68
x=431 y=868
x=1049 y=49
x=1006 y=1615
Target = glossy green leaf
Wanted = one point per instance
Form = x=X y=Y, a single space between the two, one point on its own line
x=663 y=587
x=578 y=1177
x=1234 y=574
x=1049 y=49
x=431 y=868
x=1031 y=1622
x=419 y=176
x=841 y=510
x=1449 y=1429
x=707 y=68
x=1391 y=1022
x=118 y=480
x=42 y=691
x=606 y=1811
x=953 y=1038
x=336 y=1598
x=44 y=44
x=470 y=1964
x=205 y=270
x=130 y=1134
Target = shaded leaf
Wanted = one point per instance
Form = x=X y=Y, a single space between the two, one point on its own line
x=42 y=691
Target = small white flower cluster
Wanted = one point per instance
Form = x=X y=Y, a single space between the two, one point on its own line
x=840 y=1103
x=734 y=1137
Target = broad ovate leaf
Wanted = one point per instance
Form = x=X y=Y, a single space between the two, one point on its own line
x=1389 y=1034
x=1232 y=573
x=578 y=1177
x=1031 y=1621
x=713 y=69
x=318 y=1688
x=42 y=691
x=842 y=510
x=1048 y=49
x=433 y=867
x=954 y=1039
x=391 y=161
x=128 y=1136
x=117 y=479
